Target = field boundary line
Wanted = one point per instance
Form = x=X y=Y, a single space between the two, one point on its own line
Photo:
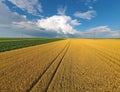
x=20 y=53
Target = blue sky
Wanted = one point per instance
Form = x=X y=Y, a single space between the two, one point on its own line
x=63 y=18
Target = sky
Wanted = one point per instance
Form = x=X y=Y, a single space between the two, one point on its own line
x=60 y=18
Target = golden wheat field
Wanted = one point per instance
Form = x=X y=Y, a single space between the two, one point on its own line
x=71 y=65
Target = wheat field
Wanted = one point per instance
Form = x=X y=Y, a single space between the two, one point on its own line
x=71 y=65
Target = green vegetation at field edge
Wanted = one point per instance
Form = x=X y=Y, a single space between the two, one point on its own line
x=15 y=43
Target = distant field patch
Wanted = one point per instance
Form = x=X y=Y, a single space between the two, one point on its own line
x=7 y=44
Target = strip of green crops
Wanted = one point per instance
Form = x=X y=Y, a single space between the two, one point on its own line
x=6 y=45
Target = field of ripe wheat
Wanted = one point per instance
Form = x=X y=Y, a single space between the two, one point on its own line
x=71 y=65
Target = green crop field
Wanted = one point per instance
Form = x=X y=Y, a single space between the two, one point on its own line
x=7 y=44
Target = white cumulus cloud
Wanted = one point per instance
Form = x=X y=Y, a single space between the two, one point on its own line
x=59 y=23
x=101 y=31
x=61 y=10
x=33 y=7
x=85 y=15
x=54 y=26
x=6 y=16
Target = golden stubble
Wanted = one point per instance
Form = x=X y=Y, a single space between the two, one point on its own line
x=72 y=65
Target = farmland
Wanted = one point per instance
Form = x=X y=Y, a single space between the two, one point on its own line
x=7 y=44
x=71 y=65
